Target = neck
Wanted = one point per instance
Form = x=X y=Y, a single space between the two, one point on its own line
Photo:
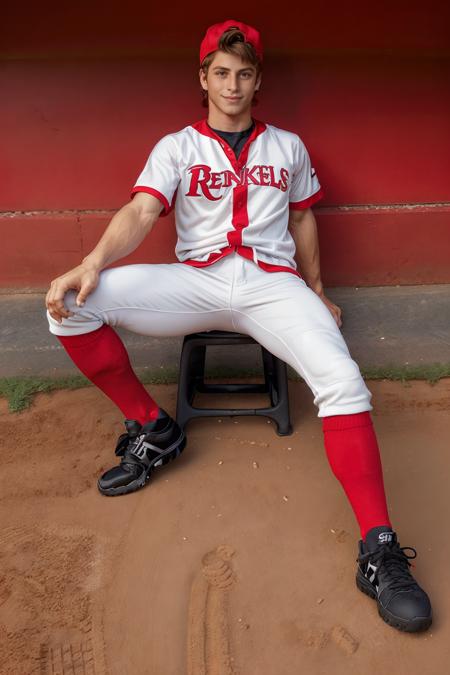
x=223 y=122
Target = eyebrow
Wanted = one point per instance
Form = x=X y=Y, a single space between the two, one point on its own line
x=239 y=71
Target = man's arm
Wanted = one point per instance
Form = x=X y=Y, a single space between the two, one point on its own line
x=303 y=228
x=126 y=230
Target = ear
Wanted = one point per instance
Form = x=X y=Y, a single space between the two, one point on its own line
x=258 y=82
x=203 y=80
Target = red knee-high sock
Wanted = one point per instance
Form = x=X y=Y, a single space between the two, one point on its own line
x=354 y=456
x=102 y=357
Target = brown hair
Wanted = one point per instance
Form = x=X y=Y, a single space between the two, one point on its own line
x=232 y=41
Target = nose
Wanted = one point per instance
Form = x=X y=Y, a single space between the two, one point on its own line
x=233 y=82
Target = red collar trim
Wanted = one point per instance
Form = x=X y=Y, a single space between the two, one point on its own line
x=203 y=128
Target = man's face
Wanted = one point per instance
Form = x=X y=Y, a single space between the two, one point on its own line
x=230 y=83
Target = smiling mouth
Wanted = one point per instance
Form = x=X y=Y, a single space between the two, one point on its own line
x=233 y=98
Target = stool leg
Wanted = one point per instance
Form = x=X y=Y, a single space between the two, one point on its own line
x=191 y=378
x=270 y=375
x=276 y=382
x=267 y=359
x=284 y=427
x=186 y=385
x=198 y=358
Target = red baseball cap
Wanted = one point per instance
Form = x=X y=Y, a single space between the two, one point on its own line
x=210 y=42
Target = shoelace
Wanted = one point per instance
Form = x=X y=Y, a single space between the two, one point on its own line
x=396 y=563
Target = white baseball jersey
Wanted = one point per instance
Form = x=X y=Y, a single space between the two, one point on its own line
x=223 y=204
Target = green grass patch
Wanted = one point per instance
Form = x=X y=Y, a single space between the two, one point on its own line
x=20 y=391
x=431 y=372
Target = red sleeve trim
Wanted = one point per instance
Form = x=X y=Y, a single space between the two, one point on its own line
x=151 y=191
x=306 y=203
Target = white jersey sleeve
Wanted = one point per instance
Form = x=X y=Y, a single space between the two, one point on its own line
x=305 y=188
x=161 y=175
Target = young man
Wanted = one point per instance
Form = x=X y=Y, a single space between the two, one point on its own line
x=242 y=191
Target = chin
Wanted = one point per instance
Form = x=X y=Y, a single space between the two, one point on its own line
x=233 y=109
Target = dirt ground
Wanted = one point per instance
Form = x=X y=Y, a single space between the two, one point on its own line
x=238 y=558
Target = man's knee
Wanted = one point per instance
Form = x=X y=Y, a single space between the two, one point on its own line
x=82 y=321
x=346 y=392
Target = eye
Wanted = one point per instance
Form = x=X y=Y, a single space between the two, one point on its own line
x=246 y=75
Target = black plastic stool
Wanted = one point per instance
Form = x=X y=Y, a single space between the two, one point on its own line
x=192 y=374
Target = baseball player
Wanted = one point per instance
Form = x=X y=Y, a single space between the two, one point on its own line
x=242 y=192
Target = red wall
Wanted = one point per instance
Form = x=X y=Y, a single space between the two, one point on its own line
x=86 y=96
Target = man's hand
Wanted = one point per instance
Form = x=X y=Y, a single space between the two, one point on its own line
x=303 y=228
x=334 y=309
x=83 y=278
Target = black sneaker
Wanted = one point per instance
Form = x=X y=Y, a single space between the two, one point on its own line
x=383 y=574
x=142 y=449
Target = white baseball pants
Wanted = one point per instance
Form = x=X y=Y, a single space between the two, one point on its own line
x=277 y=309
